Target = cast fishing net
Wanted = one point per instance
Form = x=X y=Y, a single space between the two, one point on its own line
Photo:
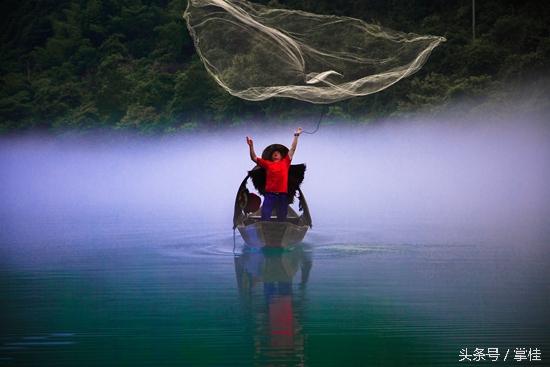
x=256 y=52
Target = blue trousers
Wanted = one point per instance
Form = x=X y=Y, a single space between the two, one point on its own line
x=276 y=200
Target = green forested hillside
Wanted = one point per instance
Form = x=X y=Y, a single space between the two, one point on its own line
x=130 y=64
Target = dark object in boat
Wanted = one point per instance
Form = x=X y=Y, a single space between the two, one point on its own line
x=250 y=202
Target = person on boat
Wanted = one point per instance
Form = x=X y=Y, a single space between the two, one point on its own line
x=276 y=186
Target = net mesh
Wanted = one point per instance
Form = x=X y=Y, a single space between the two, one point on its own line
x=257 y=52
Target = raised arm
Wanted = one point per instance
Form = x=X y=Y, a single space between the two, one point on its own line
x=294 y=142
x=250 y=143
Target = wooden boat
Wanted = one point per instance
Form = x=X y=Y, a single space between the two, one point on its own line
x=258 y=233
x=272 y=233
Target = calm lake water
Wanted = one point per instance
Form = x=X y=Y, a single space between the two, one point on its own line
x=92 y=274
x=158 y=296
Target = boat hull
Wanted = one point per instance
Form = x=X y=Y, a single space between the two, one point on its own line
x=272 y=234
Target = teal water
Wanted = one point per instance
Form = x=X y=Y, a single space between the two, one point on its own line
x=158 y=295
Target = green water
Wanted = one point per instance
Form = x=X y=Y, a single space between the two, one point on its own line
x=155 y=296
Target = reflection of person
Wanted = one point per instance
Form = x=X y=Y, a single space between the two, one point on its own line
x=276 y=186
x=279 y=331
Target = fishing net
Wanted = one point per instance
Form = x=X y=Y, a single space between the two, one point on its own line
x=256 y=52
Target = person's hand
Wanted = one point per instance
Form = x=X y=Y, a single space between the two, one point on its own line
x=249 y=141
x=298 y=131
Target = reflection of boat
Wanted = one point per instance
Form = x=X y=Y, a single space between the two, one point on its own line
x=247 y=218
x=276 y=312
x=272 y=266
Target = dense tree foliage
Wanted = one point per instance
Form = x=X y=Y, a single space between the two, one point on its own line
x=131 y=64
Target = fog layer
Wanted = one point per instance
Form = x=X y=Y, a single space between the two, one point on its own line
x=441 y=181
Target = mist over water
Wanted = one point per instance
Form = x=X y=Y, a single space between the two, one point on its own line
x=432 y=235
x=419 y=181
